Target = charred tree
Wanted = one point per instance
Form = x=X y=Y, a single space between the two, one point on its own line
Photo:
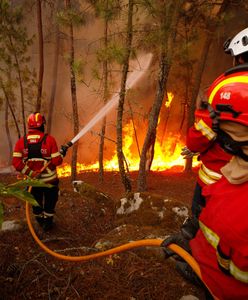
x=169 y=15
x=124 y=177
x=41 y=54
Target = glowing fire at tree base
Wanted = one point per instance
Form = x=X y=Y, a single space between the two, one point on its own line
x=165 y=158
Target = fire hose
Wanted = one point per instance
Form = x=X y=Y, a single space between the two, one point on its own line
x=131 y=245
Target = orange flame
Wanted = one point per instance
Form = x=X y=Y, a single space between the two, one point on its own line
x=170 y=97
x=165 y=157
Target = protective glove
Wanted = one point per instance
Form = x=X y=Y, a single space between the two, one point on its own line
x=190 y=227
x=63 y=150
x=187 y=273
x=186 y=153
x=178 y=239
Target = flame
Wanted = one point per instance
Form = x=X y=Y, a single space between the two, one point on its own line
x=165 y=157
x=169 y=99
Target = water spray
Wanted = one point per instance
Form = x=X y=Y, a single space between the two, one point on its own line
x=132 y=79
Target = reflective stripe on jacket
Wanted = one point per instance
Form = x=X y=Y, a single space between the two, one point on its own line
x=221 y=245
x=223 y=260
x=201 y=138
x=49 y=152
x=208 y=176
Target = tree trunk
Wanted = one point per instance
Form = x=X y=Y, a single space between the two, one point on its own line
x=11 y=109
x=134 y=128
x=105 y=98
x=54 y=77
x=125 y=180
x=148 y=146
x=74 y=100
x=41 y=55
x=164 y=68
x=6 y=121
x=20 y=85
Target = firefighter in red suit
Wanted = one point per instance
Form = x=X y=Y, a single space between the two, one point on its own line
x=220 y=245
x=31 y=153
x=201 y=137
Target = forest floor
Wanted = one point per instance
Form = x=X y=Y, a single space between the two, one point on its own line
x=87 y=221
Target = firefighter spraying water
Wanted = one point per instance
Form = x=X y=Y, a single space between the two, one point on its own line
x=31 y=154
x=38 y=151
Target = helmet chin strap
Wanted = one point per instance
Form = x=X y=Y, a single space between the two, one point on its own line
x=224 y=139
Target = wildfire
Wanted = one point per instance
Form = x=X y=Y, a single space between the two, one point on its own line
x=165 y=157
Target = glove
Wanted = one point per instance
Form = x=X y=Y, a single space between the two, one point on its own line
x=180 y=240
x=190 y=227
x=186 y=153
x=187 y=273
x=64 y=148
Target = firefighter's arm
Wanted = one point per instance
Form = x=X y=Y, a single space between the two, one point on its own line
x=18 y=159
x=187 y=153
x=200 y=136
x=56 y=157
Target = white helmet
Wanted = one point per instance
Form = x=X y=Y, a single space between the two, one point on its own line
x=238 y=44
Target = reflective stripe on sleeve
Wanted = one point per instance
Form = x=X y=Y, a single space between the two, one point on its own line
x=226 y=263
x=237 y=273
x=205 y=130
x=17 y=154
x=56 y=154
x=208 y=176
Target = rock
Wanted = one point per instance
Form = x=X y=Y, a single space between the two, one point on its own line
x=189 y=297
x=11 y=225
x=145 y=209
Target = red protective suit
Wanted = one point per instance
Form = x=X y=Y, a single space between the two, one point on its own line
x=49 y=152
x=201 y=138
x=221 y=245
